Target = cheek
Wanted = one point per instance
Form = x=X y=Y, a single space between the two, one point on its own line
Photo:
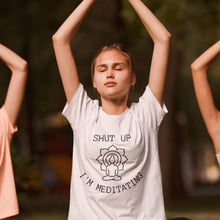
x=126 y=78
x=96 y=80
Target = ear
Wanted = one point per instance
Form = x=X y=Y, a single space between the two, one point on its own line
x=94 y=84
x=133 y=79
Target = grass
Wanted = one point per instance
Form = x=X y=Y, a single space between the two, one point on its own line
x=200 y=208
x=44 y=216
x=42 y=208
x=56 y=208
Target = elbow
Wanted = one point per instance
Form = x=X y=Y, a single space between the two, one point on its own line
x=164 y=38
x=167 y=36
x=194 y=67
x=57 y=39
x=23 y=66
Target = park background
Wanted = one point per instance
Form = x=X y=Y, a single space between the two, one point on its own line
x=42 y=148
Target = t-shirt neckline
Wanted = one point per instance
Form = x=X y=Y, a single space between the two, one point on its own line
x=113 y=117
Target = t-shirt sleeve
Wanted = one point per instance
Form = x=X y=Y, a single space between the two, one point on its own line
x=218 y=158
x=8 y=198
x=149 y=110
x=80 y=108
x=5 y=121
x=7 y=130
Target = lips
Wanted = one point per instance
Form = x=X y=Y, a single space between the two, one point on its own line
x=110 y=84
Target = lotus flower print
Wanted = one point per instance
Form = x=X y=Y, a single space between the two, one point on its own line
x=112 y=161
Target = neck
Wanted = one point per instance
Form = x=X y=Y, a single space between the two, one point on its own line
x=114 y=107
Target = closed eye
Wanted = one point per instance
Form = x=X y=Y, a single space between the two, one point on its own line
x=119 y=66
x=101 y=69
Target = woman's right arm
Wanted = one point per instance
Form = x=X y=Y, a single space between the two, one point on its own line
x=62 y=47
x=210 y=113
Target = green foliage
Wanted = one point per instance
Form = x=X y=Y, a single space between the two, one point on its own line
x=26 y=171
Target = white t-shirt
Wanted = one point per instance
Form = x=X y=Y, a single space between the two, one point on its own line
x=218 y=158
x=116 y=171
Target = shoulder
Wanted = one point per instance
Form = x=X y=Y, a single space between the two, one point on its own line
x=80 y=108
x=149 y=101
x=5 y=124
x=148 y=110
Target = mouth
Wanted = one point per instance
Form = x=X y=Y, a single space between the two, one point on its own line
x=110 y=84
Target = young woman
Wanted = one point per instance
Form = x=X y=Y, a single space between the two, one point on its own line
x=116 y=171
x=8 y=115
x=210 y=113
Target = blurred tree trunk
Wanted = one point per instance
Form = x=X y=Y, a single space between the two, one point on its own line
x=120 y=23
x=169 y=135
x=29 y=97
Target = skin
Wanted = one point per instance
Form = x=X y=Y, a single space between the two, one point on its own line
x=62 y=46
x=15 y=92
x=210 y=113
x=113 y=79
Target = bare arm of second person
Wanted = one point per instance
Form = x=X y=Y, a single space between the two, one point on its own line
x=62 y=47
x=210 y=113
x=15 y=92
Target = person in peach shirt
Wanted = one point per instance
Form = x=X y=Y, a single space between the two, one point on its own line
x=8 y=115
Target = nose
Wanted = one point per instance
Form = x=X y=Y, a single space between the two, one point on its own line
x=110 y=74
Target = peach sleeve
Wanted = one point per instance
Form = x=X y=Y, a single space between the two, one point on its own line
x=8 y=195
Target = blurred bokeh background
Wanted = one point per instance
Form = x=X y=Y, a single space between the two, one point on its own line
x=42 y=148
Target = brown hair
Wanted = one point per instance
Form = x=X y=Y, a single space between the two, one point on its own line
x=118 y=47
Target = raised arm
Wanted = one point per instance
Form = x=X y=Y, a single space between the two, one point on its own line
x=15 y=92
x=161 y=39
x=62 y=47
x=210 y=113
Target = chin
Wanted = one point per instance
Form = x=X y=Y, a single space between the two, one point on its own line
x=115 y=97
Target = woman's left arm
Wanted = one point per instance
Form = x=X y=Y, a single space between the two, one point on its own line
x=209 y=111
x=18 y=67
x=161 y=39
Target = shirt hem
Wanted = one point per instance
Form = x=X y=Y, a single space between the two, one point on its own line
x=9 y=214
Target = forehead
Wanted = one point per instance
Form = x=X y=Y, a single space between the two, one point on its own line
x=110 y=56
